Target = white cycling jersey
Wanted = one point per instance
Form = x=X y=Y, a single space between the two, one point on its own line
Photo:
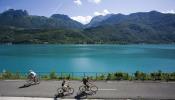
x=33 y=73
x=66 y=84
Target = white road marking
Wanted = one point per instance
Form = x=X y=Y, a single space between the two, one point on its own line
x=13 y=80
x=28 y=98
x=108 y=89
x=23 y=98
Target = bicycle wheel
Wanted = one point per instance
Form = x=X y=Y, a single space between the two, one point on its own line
x=71 y=90
x=60 y=90
x=94 y=88
x=82 y=89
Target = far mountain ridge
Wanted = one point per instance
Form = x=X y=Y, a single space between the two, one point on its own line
x=17 y=26
x=139 y=16
x=11 y=16
x=21 y=19
x=97 y=19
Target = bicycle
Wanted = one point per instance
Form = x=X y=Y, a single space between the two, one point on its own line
x=92 y=88
x=32 y=81
x=68 y=89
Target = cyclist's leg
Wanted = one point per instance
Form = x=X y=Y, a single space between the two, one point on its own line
x=35 y=79
x=31 y=78
x=87 y=86
x=64 y=88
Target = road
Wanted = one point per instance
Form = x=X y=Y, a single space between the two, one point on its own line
x=109 y=89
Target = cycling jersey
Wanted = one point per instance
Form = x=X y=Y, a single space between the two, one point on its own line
x=85 y=81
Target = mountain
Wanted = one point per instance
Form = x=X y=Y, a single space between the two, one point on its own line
x=17 y=26
x=21 y=19
x=97 y=19
x=64 y=21
x=143 y=27
x=148 y=18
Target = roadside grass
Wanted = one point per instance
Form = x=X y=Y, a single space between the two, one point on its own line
x=138 y=75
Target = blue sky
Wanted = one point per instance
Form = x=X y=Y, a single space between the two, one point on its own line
x=84 y=10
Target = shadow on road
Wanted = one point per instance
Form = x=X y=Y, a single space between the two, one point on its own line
x=83 y=95
x=25 y=86
x=62 y=95
x=28 y=84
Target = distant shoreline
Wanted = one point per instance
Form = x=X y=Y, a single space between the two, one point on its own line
x=87 y=44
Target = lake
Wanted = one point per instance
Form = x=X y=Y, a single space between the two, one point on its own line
x=87 y=58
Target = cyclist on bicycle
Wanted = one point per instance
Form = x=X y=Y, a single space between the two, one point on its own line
x=85 y=81
x=65 y=84
x=32 y=75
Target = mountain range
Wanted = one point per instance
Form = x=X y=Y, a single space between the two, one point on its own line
x=17 y=26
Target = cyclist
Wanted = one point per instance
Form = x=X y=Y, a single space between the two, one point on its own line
x=65 y=84
x=32 y=75
x=85 y=81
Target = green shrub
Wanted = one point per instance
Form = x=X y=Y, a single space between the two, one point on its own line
x=109 y=76
x=7 y=75
x=172 y=76
x=118 y=75
x=126 y=76
x=45 y=77
x=16 y=75
x=1 y=76
x=140 y=75
x=100 y=77
x=53 y=75
x=157 y=75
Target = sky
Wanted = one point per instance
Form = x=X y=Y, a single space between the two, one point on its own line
x=84 y=10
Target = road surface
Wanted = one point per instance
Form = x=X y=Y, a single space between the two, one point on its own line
x=109 y=89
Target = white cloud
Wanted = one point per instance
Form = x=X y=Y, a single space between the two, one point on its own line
x=95 y=1
x=8 y=7
x=82 y=19
x=104 y=12
x=87 y=19
x=78 y=2
x=169 y=11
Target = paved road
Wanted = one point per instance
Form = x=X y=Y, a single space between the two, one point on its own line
x=110 y=89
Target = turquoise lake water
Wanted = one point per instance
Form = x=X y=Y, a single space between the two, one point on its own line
x=87 y=58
